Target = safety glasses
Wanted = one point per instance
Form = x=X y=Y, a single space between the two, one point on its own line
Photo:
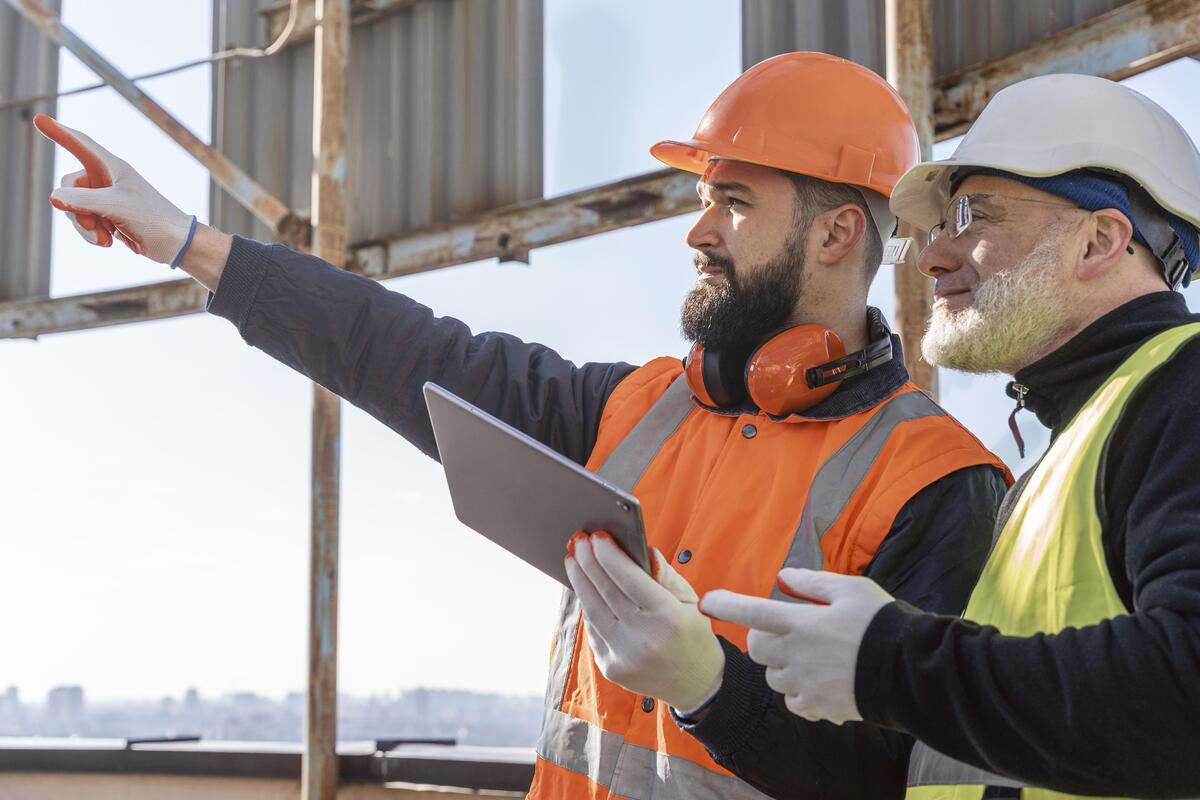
x=963 y=210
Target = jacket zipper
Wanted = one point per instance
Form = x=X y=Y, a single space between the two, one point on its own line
x=1021 y=391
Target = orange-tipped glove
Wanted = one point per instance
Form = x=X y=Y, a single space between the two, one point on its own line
x=810 y=649
x=108 y=197
x=646 y=634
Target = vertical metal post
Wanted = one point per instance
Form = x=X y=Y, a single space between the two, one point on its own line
x=910 y=69
x=319 y=770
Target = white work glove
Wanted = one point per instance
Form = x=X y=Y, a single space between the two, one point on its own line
x=126 y=206
x=810 y=649
x=646 y=633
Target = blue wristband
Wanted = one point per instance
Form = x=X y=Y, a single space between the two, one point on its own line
x=186 y=244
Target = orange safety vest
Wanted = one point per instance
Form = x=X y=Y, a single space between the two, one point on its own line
x=730 y=499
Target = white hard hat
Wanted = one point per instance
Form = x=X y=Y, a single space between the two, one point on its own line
x=1054 y=124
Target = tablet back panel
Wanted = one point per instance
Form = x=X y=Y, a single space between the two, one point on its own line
x=522 y=495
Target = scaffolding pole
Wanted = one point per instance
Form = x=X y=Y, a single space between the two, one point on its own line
x=909 y=45
x=319 y=768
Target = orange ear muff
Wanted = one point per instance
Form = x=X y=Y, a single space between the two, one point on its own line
x=777 y=373
x=693 y=372
x=717 y=377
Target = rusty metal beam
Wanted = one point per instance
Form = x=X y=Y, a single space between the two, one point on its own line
x=909 y=49
x=273 y=212
x=306 y=18
x=506 y=234
x=511 y=233
x=1130 y=39
x=319 y=765
x=28 y=319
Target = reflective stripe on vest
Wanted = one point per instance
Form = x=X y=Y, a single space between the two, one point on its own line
x=840 y=476
x=628 y=462
x=928 y=767
x=627 y=770
x=1051 y=540
x=624 y=467
x=604 y=757
x=577 y=745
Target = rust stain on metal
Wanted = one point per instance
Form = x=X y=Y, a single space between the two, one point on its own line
x=119 y=308
x=626 y=206
x=36 y=12
x=28 y=319
x=1160 y=30
x=527 y=225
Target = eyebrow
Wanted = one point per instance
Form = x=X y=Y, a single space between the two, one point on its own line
x=726 y=187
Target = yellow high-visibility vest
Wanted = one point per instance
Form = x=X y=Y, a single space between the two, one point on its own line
x=1047 y=570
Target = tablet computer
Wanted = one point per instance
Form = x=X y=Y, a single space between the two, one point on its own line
x=522 y=495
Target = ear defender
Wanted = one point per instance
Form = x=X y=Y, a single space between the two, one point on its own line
x=778 y=376
x=789 y=373
x=716 y=376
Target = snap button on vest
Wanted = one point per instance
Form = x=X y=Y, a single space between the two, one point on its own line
x=749 y=431
x=647 y=704
x=685 y=556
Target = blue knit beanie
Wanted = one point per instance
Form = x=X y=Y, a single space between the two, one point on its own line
x=1092 y=191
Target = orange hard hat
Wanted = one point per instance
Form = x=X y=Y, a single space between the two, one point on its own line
x=811 y=113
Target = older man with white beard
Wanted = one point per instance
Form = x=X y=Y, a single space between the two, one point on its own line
x=1061 y=227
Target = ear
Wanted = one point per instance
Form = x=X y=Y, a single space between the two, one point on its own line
x=1109 y=233
x=839 y=232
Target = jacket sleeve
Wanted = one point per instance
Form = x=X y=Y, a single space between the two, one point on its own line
x=376 y=348
x=931 y=557
x=1109 y=709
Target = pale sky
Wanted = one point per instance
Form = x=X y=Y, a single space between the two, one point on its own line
x=154 y=486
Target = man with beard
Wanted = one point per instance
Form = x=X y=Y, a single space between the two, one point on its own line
x=792 y=437
x=1061 y=228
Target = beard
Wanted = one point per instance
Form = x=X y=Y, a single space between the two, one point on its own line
x=1014 y=316
x=744 y=309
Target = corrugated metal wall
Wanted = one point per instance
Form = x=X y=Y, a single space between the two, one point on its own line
x=445 y=114
x=28 y=66
x=851 y=29
x=965 y=31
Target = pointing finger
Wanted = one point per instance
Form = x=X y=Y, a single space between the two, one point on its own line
x=96 y=161
x=815 y=586
x=773 y=616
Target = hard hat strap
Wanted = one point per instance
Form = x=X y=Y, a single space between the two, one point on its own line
x=894 y=249
x=1164 y=242
x=881 y=216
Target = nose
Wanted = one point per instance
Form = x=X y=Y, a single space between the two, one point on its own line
x=704 y=235
x=938 y=258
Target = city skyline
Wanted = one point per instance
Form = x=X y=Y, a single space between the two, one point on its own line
x=468 y=718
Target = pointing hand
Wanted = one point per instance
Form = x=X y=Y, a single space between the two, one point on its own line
x=109 y=198
x=810 y=649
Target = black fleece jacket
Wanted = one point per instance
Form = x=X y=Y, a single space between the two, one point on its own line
x=1109 y=709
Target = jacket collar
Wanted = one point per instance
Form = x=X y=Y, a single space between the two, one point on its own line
x=1058 y=385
